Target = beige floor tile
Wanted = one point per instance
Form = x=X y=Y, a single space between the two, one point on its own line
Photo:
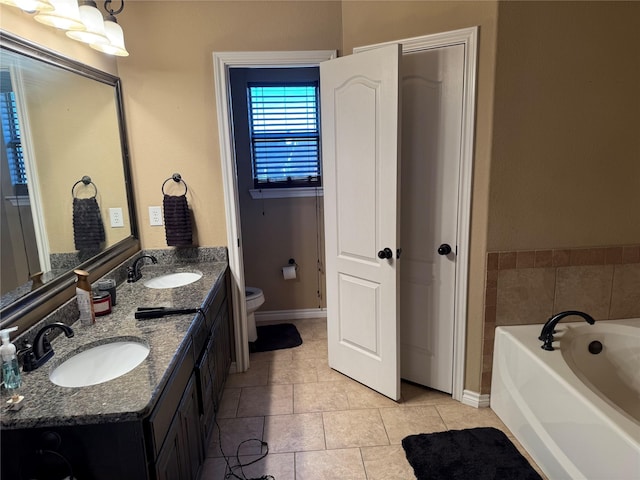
x=319 y=397
x=265 y=400
x=354 y=428
x=279 y=465
x=328 y=374
x=233 y=432
x=312 y=328
x=294 y=433
x=400 y=422
x=457 y=416
x=258 y=374
x=311 y=349
x=301 y=371
x=416 y=395
x=345 y=464
x=229 y=403
x=282 y=355
x=363 y=397
x=386 y=463
x=213 y=469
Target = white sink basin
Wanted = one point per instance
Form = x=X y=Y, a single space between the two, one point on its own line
x=99 y=364
x=172 y=280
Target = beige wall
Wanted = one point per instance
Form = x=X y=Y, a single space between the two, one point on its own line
x=85 y=111
x=169 y=91
x=566 y=147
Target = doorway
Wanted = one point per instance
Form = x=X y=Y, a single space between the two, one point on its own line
x=467 y=38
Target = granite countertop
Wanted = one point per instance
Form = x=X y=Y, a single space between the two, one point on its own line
x=133 y=395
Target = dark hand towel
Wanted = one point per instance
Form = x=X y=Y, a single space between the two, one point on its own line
x=88 y=229
x=177 y=220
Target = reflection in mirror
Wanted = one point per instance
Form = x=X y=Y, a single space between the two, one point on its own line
x=65 y=199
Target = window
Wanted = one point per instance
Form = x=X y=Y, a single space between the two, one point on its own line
x=11 y=134
x=284 y=134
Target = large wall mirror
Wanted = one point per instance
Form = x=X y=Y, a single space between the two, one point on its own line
x=66 y=199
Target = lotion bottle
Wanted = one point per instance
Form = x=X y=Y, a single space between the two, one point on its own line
x=84 y=297
x=10 y=369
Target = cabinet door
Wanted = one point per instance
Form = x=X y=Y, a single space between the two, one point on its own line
x=182 y=451
x=192 y=448
x=168 y=463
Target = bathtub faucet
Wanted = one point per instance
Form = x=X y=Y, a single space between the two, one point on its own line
x=548 y=330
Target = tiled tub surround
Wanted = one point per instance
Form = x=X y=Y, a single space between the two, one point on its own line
x=527 y=287
x=132 y=395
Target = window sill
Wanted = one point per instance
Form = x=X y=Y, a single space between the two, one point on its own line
x=259 y=194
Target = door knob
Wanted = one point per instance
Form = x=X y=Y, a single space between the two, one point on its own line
x=444 y=249
x=386 y=253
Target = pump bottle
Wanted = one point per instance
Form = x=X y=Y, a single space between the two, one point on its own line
x=10 y=369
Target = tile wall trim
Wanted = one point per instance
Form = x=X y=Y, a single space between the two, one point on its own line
x=549 y=258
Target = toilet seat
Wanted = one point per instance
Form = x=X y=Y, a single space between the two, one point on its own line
x=255 y=298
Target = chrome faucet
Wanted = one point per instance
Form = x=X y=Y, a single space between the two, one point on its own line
x=548 y=329
x=37 y=355
x=133 y=272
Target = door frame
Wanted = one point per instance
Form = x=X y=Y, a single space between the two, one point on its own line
x=222 y=62
x=467 y=37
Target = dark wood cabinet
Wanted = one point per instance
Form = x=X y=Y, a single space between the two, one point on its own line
x=179 y=430
x=168 y=444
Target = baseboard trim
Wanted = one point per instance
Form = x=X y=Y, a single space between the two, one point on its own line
x=275 y=316
x=475 y=399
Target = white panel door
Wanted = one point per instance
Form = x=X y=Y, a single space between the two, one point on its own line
x=360 y=153
x=432 y=92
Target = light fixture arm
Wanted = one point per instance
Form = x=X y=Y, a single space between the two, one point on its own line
x=112 y=12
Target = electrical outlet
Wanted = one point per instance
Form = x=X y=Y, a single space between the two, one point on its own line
x=115 y=215
x=155 y=216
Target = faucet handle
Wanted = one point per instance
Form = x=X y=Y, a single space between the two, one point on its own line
x=26 y=355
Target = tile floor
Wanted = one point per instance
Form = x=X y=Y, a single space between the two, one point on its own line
x=321 y=425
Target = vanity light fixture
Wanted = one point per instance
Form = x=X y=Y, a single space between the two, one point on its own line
x=65 y=15
x=114 y=32
x=30 y=5
x=94 y=24
x=82 y=21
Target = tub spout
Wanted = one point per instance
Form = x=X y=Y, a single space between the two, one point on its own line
x=548 y=329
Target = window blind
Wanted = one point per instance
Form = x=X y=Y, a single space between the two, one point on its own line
x=11 y=133
x=285 y=139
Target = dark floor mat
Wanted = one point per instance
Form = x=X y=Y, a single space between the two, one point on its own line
x=475 y=453
x=276 y=337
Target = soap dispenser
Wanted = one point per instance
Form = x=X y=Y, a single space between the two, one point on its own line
x=10 y=368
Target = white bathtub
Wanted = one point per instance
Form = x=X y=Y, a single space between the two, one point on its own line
x=576 y=413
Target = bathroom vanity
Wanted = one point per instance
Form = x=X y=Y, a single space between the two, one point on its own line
x=151 y=423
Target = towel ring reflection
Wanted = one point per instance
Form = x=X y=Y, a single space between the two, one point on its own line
x=176 y=177
x=87 y=181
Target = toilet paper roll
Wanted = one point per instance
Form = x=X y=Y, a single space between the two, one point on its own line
x=289 y=272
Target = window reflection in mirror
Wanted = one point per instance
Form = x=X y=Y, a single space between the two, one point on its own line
x=59 y=127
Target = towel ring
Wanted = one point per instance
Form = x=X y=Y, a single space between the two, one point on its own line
x=87 y=181
x=176 y=177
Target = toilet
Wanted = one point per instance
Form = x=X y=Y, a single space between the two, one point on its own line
x=255 y=298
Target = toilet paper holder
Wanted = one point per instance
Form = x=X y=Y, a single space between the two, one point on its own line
x=290 y=271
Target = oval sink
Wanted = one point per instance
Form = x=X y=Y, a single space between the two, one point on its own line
x=99 y=364
x=173 y=280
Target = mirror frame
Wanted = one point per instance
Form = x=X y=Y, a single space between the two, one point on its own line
x=29 y=309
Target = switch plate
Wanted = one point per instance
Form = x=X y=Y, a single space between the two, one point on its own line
x=155 y=216
x=115 y=216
